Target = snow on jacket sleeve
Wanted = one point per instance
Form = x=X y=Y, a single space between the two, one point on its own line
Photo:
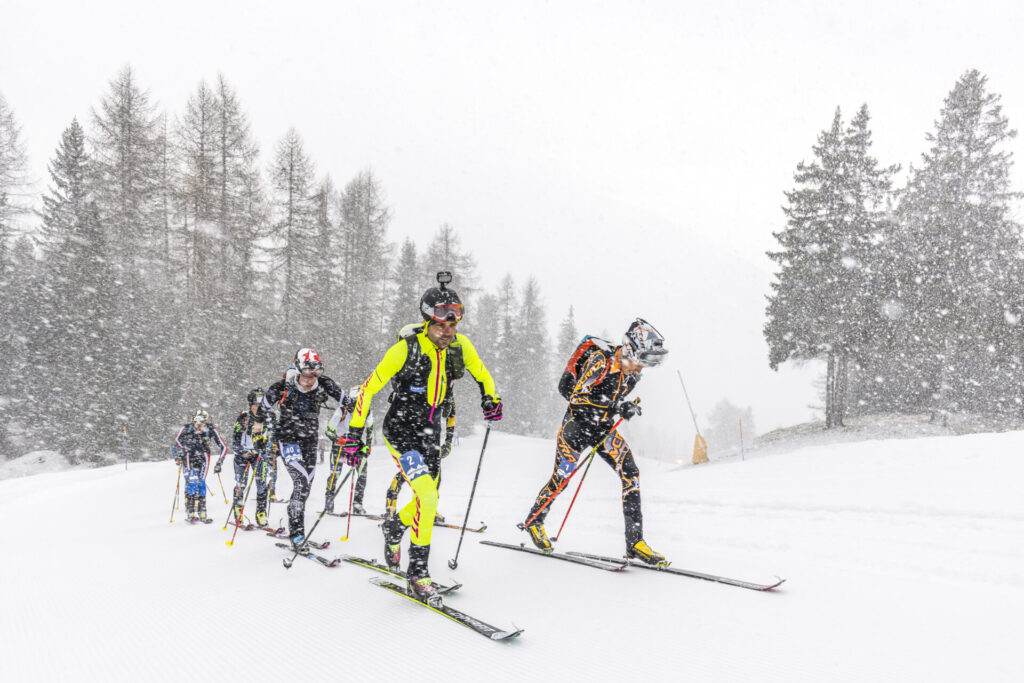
x=392 y=362
x=476 y=367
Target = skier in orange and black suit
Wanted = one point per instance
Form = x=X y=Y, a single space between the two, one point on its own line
x=606 y=376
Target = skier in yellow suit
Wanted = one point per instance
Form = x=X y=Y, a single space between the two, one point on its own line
x=421 y=367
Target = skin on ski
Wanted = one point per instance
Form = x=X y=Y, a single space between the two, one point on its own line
x=309 y=556
x=610 y=564
x=380 y=518
x=283 y=533
x=686 y=572
x=455 y=615
x=383 y=569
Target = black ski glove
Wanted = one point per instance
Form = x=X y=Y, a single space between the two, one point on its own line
x=216 y=468
x=628 y=410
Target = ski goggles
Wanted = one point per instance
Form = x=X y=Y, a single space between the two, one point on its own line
x=311 y=369
x=653 y=357
x=646 y=357
x=444 y=312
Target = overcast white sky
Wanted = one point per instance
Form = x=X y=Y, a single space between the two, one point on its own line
x=631 y=155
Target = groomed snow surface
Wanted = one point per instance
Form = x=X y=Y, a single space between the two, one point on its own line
x=904 y=561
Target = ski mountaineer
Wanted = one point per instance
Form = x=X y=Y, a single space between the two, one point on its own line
x=299 y=397
x=339 y=423
x=447 y=412
x=252 y=458
x=606 y=376
x=421 y=367
x=192 y=451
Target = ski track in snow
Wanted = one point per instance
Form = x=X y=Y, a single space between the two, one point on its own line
x=903 y=563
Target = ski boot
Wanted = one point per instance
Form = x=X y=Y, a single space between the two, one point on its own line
x=299 y=544
x=329 y=504
x=261 y=518
x=358 y=509
x=236 y=512
x=421 y=586
x=202 y=509
x=190 y=509
x=643 y=552
x=393 y=532
x=439 y=518
x=540 y=537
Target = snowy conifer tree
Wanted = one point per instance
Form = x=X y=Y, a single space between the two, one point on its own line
x=962 y=274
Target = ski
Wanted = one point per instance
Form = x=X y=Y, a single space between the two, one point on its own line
x=608 y=564
x=686 y=572
x=283 y=533
x=383 y=569
x=309 y=555
x=279 y=532
x=200 y=521
x=367 y=515
x=380 y=518
x=484 y=629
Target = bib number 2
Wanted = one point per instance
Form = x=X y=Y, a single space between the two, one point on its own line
x=413 y=464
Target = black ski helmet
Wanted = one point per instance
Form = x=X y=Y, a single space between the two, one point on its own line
x=255 y=396
x=440 y=304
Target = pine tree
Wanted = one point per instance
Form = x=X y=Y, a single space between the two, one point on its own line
x=77 y=308
x=363 y=250
x=532 y=392
x=823 y=304
x=962 y=273
x=406 y=289
x=292 y=180
x=568 y=337
x=126 y=173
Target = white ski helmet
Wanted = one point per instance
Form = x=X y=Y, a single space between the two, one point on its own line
x=644 y=344
x=308 y=363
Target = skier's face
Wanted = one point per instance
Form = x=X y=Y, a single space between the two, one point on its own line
x=628 y=365
x=441 y=334
x=306 y=382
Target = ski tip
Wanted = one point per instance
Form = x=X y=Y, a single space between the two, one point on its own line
x=505 y=635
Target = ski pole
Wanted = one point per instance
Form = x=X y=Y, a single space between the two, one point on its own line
x=288 y=560
x=177 y=487
x=569 y=478
x=222 y=488
x=454 y=562
x=241 y=511
x=227 y=520
x=351 y=497
x=590 y=459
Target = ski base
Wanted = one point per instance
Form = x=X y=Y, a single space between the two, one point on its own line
x=309 y=555
x=608 y=564
x=686 y=572
x=443 y=589
x=483 y=628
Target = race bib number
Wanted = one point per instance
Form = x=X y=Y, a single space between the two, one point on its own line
x=291 y=452
x=413 y=465
x=566 y=468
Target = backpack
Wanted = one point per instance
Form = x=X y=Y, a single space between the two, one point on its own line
x=587 y=347
x=455 y=365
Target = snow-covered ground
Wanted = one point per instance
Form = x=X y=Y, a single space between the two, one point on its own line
x=904 y=561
